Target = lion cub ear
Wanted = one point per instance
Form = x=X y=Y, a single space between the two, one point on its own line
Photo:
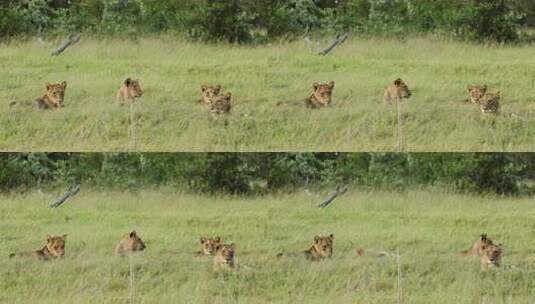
x=217 y=89
x=398 y=82
x=315 y=86
x=317 y=238
x=331 y=84
x=232 y=246
x=204 y=88
x=470 y=88
x=203 y=240
x=128 y=81
x=48 y=238
x=331 y=236
x=64 y=84
x=228 y=96
x=133 y=234
x=64 y=237
x=218 y=239
x=47 y=85
x=484 y=87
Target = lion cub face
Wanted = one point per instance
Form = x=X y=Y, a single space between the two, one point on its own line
x=55 y=245
x=323 y=245
x=491 y=255
x=224 y=256
x=209 y=93
x=477 y=92
x=221 y=104
x=130 y=243
x=209 y=245
x=323 y=92
x=56 y=93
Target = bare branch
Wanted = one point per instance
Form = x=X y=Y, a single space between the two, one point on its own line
x=339 y=191
x=72 y=39
x=339 y=40
x=72 y=191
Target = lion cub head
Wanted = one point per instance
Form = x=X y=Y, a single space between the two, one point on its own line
x=131 y=89
x=55 y=245
x=477 y=92
x=209 y=93
x=209 y=245
x=130 y=243
x=396 y=91
x=56 y=93
x=224 y=256
x=323 y=245
x=221 y=104
x=322 y=94
x=491 y=255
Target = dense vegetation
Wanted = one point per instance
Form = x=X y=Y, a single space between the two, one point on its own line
x=258 y=21
x=254 y=173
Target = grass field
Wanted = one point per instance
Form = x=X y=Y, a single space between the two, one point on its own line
x=171 y=72
x=428 y=229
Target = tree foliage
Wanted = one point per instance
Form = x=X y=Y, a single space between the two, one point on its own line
x=254 y=173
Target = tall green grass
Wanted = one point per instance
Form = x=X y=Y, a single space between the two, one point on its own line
x=428 y=229
x=171 y=72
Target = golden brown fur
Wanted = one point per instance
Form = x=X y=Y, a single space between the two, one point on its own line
x=54 y=97
x=490 y=103
x=321 y=95
x=221 y=104
x=224 y=257
x=209 y=93
x=130 y=90
x=398 y=90
x=54 y=248
x=322 y=248
x=209 y=245
x=476 y=92
x=129 y=243
x=486 y=250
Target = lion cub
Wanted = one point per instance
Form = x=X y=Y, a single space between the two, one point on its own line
x=55 y=94
x=476 y=93
x=54 y=248
x=397 y=91
x=490 y=103
x=209 y=245
x=129 y=243
x=209 y=93
x=221 y=104
x=130 y=90
x=321 y=95
x=322 y=248
x=486 y=250
x=224 y=257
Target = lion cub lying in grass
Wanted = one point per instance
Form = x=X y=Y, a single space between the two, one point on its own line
x=54 y=97
x=489 y=103
x=130 y=90
x=321 y=95
x=488 y=253
x=54 y=248
x=398 y=90
x=321 y=248
x=219 y=103
x=224 y=257
x=129 y=243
